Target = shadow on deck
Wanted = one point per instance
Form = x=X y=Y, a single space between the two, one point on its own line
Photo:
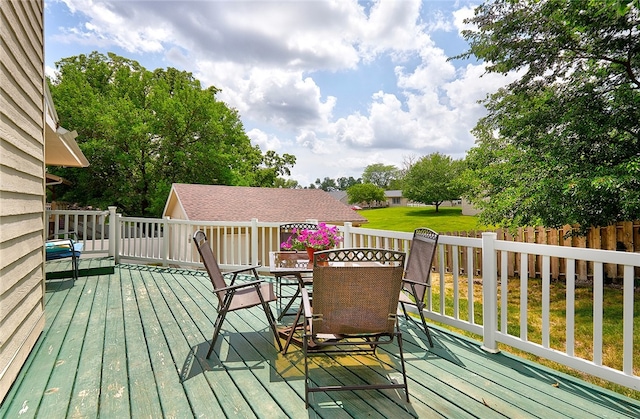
x=133 y=343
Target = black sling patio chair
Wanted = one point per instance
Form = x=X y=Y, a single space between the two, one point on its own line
x=290 y=279
x=234 y=296
x=418 y=273
x=354 y=310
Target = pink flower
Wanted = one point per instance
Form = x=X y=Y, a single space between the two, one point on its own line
x=324 y=237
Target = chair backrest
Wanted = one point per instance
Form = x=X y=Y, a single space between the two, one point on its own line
x=286 y=230
x=210 y=263
x=423 y=249
x=356 y=291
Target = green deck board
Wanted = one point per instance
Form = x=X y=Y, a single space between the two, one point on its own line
x=165 y=362
x=532 y=384
x=194 y=362
x=62 y=268
x=86 y=393
x=114 y=394
x=60 y=387
x=32 y=392
x=228 y=395
x=495 y=374
x=18 y=399
x=202 y=396
x=189 y=355
x=108 y=336
x=143 y=385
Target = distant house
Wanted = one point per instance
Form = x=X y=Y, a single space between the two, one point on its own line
x=240 y=203
x=395 y=199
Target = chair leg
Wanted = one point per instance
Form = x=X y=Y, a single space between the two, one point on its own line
x=289 y=304
x=216 y=331
x=404 y=372
x=272 y=322
x=426 y=329
x=305 y=349
x=424 y=322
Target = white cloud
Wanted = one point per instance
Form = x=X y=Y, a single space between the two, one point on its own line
x=277 y=61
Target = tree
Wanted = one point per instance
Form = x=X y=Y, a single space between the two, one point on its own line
x=433 y=179
x=365 y=192
x=379 y=174
x=327 y=184
x=287 y=183
x=345 y=183
x=560 y=145
x=142 y=131
x=273 y=166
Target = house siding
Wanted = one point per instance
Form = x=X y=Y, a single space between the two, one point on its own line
x=22 y=184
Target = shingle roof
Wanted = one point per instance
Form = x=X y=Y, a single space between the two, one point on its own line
x=240 y=203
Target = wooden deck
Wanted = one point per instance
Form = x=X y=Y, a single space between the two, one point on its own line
x=133 y=344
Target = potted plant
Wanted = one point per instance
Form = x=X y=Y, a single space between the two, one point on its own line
x=323 y=238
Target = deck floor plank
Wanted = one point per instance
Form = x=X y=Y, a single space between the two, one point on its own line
x=86 y=394
x=115 y=394
x=187 y=355
x=202 y=312
x=133 y=343
x=502 y=383
x=171 y=396
x=33 y=392
x=225 y=391
x=143 y=384
x=175 y=326
x=60 y=387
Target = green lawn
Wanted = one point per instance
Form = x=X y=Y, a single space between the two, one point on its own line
x=447 y=219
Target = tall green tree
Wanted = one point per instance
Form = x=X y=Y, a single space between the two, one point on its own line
x=142 y=131
x=560 y=145
x=345 y=183
x=327 y=184
x=379 y=174
x=365 y=192
x=433 y=179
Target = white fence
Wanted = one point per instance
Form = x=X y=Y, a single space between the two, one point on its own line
x=168 y=242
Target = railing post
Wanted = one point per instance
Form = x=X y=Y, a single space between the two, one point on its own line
x=118 y=228
x=489 y=292
x=113 y=220
x=254 y=241
x=346 y=243
x=166 y=240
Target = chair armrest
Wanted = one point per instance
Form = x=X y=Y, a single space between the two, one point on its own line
x=411 y=281
x=238 y=286
x=306 y=304
x=243 y=269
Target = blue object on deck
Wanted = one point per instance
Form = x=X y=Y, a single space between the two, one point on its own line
x=67 y=248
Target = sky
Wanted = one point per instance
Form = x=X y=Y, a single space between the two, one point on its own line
x=339 y=84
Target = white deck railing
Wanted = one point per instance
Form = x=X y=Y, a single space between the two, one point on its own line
x=168 y=242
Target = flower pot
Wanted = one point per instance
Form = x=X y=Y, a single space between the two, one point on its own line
x=311 y=253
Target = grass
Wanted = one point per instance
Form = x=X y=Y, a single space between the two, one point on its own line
x=450 y=219
x=447 y=219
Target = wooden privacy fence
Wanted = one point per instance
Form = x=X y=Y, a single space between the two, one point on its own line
x=623 y=236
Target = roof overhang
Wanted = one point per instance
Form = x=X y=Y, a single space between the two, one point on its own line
x=60 y=146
